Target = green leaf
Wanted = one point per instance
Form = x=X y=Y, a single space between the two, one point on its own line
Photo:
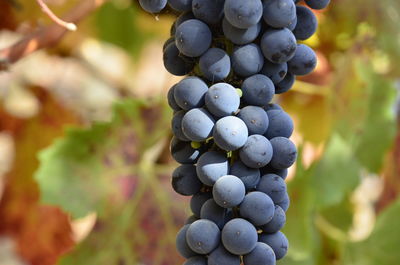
x=82 y=171
x=382 y=245
x=336 y=174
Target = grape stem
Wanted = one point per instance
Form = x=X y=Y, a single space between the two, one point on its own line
x=46 y=36
x=52 y=16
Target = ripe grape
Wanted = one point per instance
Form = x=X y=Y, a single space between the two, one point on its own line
x=230 y=133
x=255 y=118
x=278 y=45
x=240 y=36
x=197 y=124
x=176 y=63
x=197 y=201
x=317 y=4
x=220 y=256
x=215 y=64
x=306 y=23
x=193 y=37
x=243 y=14
x=277 y=241
x=275 y=71
x=183 y=152
x=262 y=254
x=153 y=6
x=258 y=90
x=286 y=84
x=303 y=62
x=285 y=153
x=239 y=236
x=280 y=124
x=222 y=100
x=185 y=180
x=211 y=166
x=189 y=93
x=228 y=191
x=181 y=244
x=247 y=60
x=258 y=208
x=213 y=212
x=279 y=13
x=274 y=186
x=209 y=11
x=203 y=236
x=249 y=176
x=277 y=222
x=257 y=152
x=180 y=5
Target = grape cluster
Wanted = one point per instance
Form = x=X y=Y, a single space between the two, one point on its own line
x=231 y=141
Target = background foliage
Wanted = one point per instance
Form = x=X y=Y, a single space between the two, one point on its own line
x=84 y=134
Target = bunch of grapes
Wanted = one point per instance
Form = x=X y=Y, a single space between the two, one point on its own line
x=231 y=141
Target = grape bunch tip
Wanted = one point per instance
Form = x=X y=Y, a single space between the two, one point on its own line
x=232 y=142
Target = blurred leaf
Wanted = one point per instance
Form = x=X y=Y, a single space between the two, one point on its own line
x=42 y=233
x=339 y=215
x=81 y=171
x=379 y=125
x=336 y=174
x=382 y=246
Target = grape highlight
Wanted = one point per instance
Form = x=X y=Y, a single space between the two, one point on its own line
x=231 y=141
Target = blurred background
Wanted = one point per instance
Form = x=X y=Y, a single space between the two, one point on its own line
x=84 y=135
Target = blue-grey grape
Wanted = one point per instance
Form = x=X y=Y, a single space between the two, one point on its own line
x=185 y=16
x=215 y=64
x=243 y=14
x=197 y=260
x=240 y=36
x=180 y=5
x=277 y=222
x=193 y=37
x=279 y=13
x=181 y=245
x=277 y=241
x=249 y=176
x=239 y=236
x=176 y=125
x=220 y=256
x=211 y=166
x=230 y=133
x=262 y=254
x=228 y=191
x=213 y=212
x=306 y=23
x=197 y=124
x=183 y=152
x=189 y=93
x=257 y=152
x=258 y=208
x=285 y=153
x=275 y=71
x=258 y=90
x=278 y=45
x=317 y=4
x=255 y=118
x=171 y=99
x=185 y=180
x=203 y=236
x=222 y=100
x=286 y=84
x=153 y=6
x=247 y=60
x=280 y=124
x=197 y=201
x=268 y=169
x=191 y=219
x=285 y=203
x=274 y=186
x=303 y=62
x=209 y=11
x=175 y=63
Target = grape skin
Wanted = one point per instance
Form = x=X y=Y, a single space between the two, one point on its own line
x=222 y=100
x=257 y=152
x=203 y=236
x=277 y=223
x=277 y=241
x=279 y=13
x=255 y=118
x=258 y=90
x=181 y=244
x=286 y=84
x=183 y=152
x=198 y=260
x=176 y=125
x=249 y=176
x=211 y=166
x=197 y=124
x=230 y=133
x=197 y=201
x=262 y=254
x=153 y=6
x=243 y=14
x=317 y=4
x=303 y=62
x=283 y=173
x=171 y=99
x=209 y=11
x=274 y=186
x=285 y=203
x=193 y=37
x=278 y=45
x=180 y=5
x=306 y=23
x=280 y=124
x=185 y=180
x=189 y=93
x=240 y=36
x=247 y=60
x=285 y=153
x=213 y=212
x=215 y=64
x=258 y=208
x=228 y=191
x=175 y=63
x=239 y=236
x=276 y=72
x=221 y=256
